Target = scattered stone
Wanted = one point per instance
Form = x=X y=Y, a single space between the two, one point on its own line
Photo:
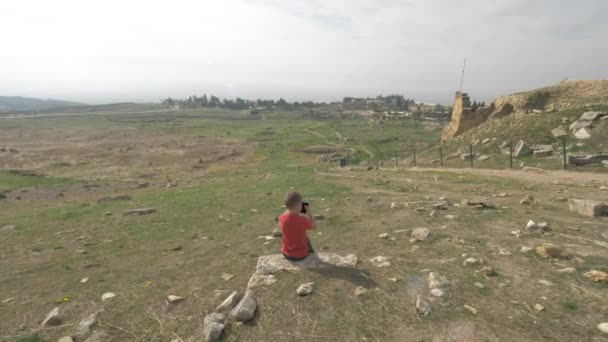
x=437 y=293
x=380 y=261
x=479 y=285
x=8 y=227
x=99 y=336
x=227 y=276
x=254 y=211
x=548 y=250
x=113 y=198
x=466 y=156
x=591 y=116
x=107 y=295
x=521 y=149
x=213 y=326
x=539 y=307
x=277 y=232
x=479 y=204
x=488 y=271
x=567 y=270
x=422 y=306
x=139 y=212
x=229 y=303
x=360 y=290
x=84 y=326
x=527 y=200
x=543 y=152
x=450 y=217
x=603 y=327
x=578 y=125
x=52 y=318
x=470 y=309
x=525 y=249
x=420 y=234
x=533 y=169
x=436 y=281
x=245 y=310
x=543 y=227
x=305 y=289
x=395 y=205
x=173 y=299
x=383 y=236
x=587 y=159
x=66 y=339
x=588 y=208
x=559 y=132
x=394 y=280
x=443 y=205
x=485 y=141
x=545 y=282
x=597 y=276
x=582 y=134
x=483 y=157
x=471 y=262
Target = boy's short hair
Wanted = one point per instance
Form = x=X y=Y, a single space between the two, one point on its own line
x=291 y=199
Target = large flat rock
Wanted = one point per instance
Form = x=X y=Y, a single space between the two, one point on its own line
x=269 y=264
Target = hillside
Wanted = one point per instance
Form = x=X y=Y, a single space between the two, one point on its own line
x=23 y=104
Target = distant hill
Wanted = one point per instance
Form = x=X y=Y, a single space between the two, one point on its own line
x=28 y=104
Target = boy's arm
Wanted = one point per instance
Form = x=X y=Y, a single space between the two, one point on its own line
x=313 y=224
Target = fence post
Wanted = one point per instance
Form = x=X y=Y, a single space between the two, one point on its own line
x=415 y=163
x=510 y=154
x=440 y=156
x=381 y=159
x=357 y=155
x=471 y=153
x=396 y=160
x=347 y=159
x=564 y=152
x=369 y=162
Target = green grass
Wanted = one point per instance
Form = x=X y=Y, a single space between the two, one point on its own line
x=10 y=180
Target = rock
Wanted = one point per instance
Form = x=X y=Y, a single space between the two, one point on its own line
x=488 y=271
x=229 y=303
x=66 y=339
x=588 y=207
x=567 y=270
x=605 y=163
x=591 y=116
x=466 y=156
x=394 y=279
x=269 y=264
x=578 y=125
x=305 y=289
x=437 y=293
x=533 y=169
x=277 y=232
x=245 y=310
x=485 y=141
x=450 y=217
x=420 y=234
x=603 y=327
x=543 y=227
x=173 y=299
x=471 y=262
x=107 y=295
x=383 y=236
x=380 y=261
x=582 y=134
x=545 y=282
x=539 y=308
x=113 y=198
x=258 y=279
x=479 y=204
x=139 y=212
x=52 y=318
x=483 y=157
x=395 y=205
x=525 y=249
x=84 y=326
x=470 y=309
x=436 y=281
x=360 y=290
x=99 y=336
x=548 y=250
x=521 y=149
x=479 y=285
x=227 y=276
x=587 y=159
x=527 y=200
x=422 y=306
x=443 y=205
x=603 y=187
x=254 y=211
x=559 y=132
x=605 y=234
x=213 y=326
x=597 y=276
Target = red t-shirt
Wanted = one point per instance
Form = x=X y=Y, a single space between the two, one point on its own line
x=293 y=228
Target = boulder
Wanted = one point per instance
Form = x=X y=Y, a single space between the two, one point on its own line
x=548 y=250
x=420 y=234
x=597 y=276
x=521 y=149
x=591 y=116
x=305 y=289
x=229 y=303
x=245 y=309
x=578 y=125
x=52 y=318
x=84 y=326
x=582 y=134
x=588 y=208
x=213 y=326
x=587 y=159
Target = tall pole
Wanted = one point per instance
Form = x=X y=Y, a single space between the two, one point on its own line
x=462 y=77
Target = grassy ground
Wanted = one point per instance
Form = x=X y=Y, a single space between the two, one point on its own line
x=205 y=226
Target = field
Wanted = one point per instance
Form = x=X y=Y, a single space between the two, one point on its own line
x=217 y=179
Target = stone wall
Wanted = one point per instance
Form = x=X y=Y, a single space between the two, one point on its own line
x=464 y=117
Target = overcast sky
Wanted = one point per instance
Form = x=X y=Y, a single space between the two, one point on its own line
x=126 y=50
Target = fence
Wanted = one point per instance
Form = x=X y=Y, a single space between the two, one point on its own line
x=436 y=157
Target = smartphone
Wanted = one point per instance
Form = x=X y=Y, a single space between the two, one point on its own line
x=304 y=206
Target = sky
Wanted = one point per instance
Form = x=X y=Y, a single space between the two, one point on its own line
x=130 y=50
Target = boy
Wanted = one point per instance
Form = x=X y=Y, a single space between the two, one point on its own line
x=295 y=245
